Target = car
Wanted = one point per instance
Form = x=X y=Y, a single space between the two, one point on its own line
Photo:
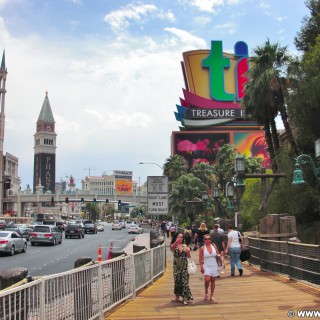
x=3 y=224
x=11 y=242
x=90 y=228
x=45 y=234
x=123 y=224
x=134 y=228
x=74 y=230
x=116 y=225
x=22 y=229
x=100 y=227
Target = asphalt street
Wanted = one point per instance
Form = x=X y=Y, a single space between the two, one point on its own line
x=43 y=260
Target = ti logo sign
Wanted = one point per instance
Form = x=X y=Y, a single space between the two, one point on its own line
x=217 y=64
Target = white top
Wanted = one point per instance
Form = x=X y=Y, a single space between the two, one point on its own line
x=210 y=265
x=234 y=236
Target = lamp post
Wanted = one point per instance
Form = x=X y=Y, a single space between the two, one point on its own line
x=216 y=195
x=205 y=197
x=152 y=163
x=230 y=195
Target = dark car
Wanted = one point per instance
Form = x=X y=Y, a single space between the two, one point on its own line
x=45 y=234
x=3 y=224
x=74 y=230
x=90 y=228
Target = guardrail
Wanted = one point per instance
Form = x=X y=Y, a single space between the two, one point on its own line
x=84 y=293
x=299 y=261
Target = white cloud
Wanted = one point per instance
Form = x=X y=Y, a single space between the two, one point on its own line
x=229 y=28
x=264 y=5
x=212 y=6
x=187 y=38
x=110 y=100
x=202 y=20
x=120 y=20
x=284 y=18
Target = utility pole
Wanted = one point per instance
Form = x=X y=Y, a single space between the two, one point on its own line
x=89 y=169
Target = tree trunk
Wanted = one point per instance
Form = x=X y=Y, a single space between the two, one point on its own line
x=284 y=117
x=270 y=147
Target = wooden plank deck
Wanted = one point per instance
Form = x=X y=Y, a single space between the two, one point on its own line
x=257 y=295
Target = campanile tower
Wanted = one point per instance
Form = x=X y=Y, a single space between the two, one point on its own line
x=3 y=78
x=44 y=172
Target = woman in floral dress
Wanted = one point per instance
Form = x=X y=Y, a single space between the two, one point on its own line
x=180 y=268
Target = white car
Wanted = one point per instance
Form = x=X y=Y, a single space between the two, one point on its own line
x=100 y=227
x=134 y=228
x=116 y=225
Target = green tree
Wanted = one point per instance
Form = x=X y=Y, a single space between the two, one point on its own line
x=186 y=188
x=93 y=210
x=310 y=29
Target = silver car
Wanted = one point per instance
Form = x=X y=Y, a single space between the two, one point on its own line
x=11 y=242
x=45 y=234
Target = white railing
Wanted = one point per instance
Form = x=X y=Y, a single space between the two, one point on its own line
x=83 y=293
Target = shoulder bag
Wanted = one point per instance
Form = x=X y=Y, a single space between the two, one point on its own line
x=192 y=267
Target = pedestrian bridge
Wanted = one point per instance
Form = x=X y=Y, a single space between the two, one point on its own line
x=257 y=295
x=140 y=286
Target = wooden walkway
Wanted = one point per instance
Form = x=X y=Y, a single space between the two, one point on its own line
x=257 y=295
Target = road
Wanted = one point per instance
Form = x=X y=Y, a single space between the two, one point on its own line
x=43 y=260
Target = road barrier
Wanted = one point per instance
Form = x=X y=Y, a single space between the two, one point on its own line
x=99 y=253
x=110 y=251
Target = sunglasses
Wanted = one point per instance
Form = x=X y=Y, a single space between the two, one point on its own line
x=207 y=239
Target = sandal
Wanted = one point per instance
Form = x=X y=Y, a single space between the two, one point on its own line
x=185 y=302
x=206 y=297
x=212 y=299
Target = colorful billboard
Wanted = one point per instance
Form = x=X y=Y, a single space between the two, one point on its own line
x=123 y=187
x=202 y=146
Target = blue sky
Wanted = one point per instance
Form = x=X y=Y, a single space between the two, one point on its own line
x=112 y=72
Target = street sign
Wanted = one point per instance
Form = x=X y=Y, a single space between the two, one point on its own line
x=157 y=184
x=158 y=203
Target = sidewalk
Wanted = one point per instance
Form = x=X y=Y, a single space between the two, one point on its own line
x=257 y=295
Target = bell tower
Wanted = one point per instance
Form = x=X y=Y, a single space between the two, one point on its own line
x=44 y=171
x=3 y=78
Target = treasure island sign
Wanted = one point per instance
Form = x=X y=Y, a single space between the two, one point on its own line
x=210 y=111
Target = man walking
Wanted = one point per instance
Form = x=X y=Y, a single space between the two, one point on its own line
x=217 y=239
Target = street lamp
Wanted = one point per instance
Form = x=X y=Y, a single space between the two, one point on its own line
x=216 y=195
x=229 y=195
x=205 y=197
x=152 y=163
x=239 y=168
x=305 y=171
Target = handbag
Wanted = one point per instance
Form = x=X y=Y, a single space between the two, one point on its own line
x=245 y=254
x=192 y=267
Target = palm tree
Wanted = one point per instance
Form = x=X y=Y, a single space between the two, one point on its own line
x=266 y=91
x=174 y=167
x=205 y=172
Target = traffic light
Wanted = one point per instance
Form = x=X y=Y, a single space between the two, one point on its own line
x=119 y=203
x=67 y=200
x=82 y=200
x=107 y=201
x=52 y=201
x=94 y=201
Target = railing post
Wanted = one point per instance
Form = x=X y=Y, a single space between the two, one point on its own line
x=42 y=299
x=100 y=290
x=151 y=265
x=133 y=277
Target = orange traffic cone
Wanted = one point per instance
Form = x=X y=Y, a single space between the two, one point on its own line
x=99 y=253
x=110 y=250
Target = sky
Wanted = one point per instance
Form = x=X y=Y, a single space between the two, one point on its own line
x=113 y=75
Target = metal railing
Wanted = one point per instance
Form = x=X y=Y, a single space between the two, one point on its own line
x=299 y=261
x=83 y=293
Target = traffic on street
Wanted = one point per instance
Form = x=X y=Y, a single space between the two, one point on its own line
x=45 y=259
